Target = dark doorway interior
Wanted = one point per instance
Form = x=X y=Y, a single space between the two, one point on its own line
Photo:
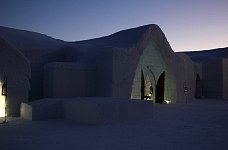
x=160 y=88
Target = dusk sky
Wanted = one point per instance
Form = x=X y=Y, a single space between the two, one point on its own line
x=187 y=24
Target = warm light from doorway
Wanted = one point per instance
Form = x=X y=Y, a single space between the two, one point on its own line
x=2 y=103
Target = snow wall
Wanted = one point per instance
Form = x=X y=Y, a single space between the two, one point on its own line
x=15 y=66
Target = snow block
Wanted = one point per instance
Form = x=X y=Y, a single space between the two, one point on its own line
x=41 y=110
x=67 y=80
x=94 y=111
x=106 y=110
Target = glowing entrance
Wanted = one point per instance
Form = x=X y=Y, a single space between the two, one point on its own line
x=2 y=104
x=146 y=87
x=158 y=83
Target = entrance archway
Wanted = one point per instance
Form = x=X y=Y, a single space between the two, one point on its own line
x=155 y=64
x=148 y=88
x=160 y=87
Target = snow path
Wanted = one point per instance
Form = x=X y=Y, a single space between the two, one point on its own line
x=195 y=126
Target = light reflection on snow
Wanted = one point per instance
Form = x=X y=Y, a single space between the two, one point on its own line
x=167 y=101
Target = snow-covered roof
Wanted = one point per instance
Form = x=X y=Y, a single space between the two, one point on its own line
x=27 y=39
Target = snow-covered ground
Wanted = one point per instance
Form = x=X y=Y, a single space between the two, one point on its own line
x=199 y=125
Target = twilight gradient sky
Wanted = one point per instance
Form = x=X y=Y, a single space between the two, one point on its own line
x=187 y=24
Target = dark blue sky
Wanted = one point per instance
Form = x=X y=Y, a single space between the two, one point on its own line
x=187 y=24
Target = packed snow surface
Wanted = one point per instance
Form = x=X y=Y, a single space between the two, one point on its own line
x=199 y=125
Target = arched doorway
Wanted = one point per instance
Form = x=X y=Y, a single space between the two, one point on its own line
x=160 y=87
x=155 y=64
x=148 y=88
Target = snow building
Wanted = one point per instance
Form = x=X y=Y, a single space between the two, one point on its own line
x=211 y=67
x=137 y=63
